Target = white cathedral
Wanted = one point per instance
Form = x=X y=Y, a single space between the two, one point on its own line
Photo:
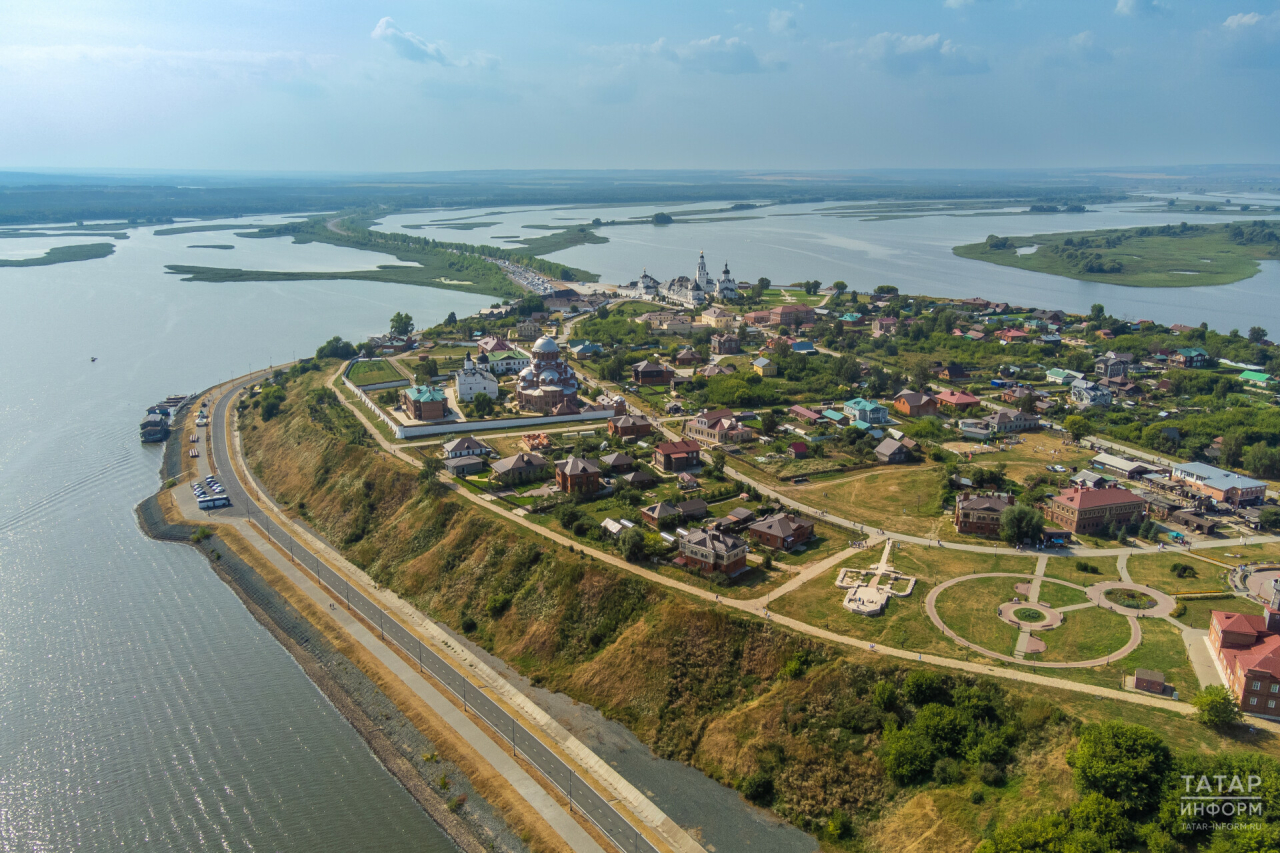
x=692 y=291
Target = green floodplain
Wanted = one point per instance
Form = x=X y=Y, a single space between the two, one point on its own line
x=431 y=263
x=63 y=254
x=1149 y=256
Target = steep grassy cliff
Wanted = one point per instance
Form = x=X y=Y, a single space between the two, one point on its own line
x=846 y=745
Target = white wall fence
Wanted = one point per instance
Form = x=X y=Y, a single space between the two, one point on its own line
x=403 y=431
x=373 y=407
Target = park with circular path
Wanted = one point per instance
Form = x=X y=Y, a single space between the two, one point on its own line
x=1051 y=623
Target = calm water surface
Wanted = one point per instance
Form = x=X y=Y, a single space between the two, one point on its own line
x=797 y=242
x=141 y=707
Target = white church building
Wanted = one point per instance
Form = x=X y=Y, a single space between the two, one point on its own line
x=473 y=379
x=694 y=291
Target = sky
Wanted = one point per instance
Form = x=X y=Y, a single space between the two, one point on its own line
x=486 y=84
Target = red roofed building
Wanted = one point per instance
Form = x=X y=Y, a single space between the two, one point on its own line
x=1094 y=510
x=958 y=400
x=1011 y=336
x=1246 y=649
x=677 y=455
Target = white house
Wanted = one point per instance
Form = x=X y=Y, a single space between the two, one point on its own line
x=472 y=380
x=1085 y=394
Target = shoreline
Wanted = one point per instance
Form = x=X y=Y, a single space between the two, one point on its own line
x=400 y=747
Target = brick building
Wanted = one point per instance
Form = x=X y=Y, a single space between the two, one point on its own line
x=1094 y=510
x=675 y=456
x=713 y=551
x=1246 y=650
x=979 y=516
x=576 y=474
x=630 y=426
x=781 y=531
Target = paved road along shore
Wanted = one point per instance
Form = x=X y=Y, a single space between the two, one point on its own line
x=584 y=798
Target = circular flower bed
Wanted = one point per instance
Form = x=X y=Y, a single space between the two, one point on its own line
x=1130 y=598
x=1028 y=614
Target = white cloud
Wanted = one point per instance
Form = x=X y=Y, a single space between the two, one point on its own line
x=781 y=22
x=715 y=54
x=1242 y=20
x=417 y=49
x=957 y=4
x=1081 y=41
x=1140 y=7
x=910 y=54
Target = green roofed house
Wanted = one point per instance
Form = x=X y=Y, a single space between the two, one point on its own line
x=839 y=418
x=1253 y=377
x=1191 y=357
x=1061 y=376
x=866 y=410
x=423 y=402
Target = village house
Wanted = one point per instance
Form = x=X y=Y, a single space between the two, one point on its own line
x=672 y=456
x=687 y=357
x=716 y=370
x=958 y=400
x=1085 y=394
x=1094 y=510
x=1011 y=420
x=618 y=463
x=764 y=367
x=781 y=531
x=651 y=373
x=1246 y=649
x=490 y=344
x=526 y=330
x=979 y=516
x=915 y=404
x=462 y=466
x=423 y=402
x=694 y=508
x=892 y=452
x=725 y=343
x=660 y=514
x=630 y=426
x=883 y=326
x=576 y=474
x=1112 y=366
x=466 y=446
x=718 y=318
x=718 y=427
x=1190 y=357
x=951 y=372
x=867 y=411
x=520 y=468
x=711 y=551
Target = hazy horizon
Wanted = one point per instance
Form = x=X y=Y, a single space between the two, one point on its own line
x=330 y=88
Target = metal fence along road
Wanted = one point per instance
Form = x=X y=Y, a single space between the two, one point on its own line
x=582 y=797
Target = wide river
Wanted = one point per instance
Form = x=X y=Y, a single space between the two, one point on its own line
x=801 y=242
x=141 y=706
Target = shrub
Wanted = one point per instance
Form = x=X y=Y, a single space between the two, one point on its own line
x=990 y=774
x=200 y=534
x=1216 y=707
x=758 y=788
x=1123 y=762
x=457 y=802
x=907 y=755
x=498 y=604
x=468 y=624
x=839 y=825
x=946 y=771
x=1082 y=566
x=977 y=797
